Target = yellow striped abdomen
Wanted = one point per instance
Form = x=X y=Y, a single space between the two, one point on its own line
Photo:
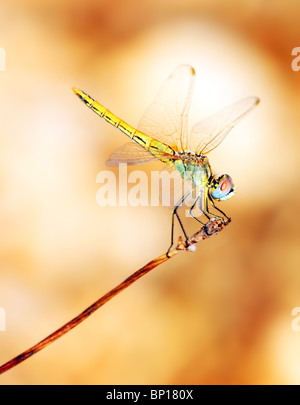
x=156 y=148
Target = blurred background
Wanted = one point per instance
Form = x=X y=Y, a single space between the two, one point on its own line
x=220 y=315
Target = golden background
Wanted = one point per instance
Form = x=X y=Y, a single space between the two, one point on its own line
x=221 y=315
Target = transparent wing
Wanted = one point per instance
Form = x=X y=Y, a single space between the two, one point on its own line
x=207 y=134
x=131 y=153
x=166 y=118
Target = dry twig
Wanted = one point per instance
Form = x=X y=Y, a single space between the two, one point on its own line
x=211 y=228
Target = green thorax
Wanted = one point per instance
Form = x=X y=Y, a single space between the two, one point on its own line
x=193 y=168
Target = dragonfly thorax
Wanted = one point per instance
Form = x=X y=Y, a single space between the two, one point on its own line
x=193 y=167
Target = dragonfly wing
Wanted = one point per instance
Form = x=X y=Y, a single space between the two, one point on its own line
x=207 y=134
x=130 y=153
x=166 y=118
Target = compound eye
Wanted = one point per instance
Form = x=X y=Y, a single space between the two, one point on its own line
x=223 y=188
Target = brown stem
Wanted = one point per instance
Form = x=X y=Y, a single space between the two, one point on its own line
x=211 y=228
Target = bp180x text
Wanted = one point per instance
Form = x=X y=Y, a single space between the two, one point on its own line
x=171 y=394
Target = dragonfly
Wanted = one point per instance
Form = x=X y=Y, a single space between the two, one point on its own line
x=162 y=134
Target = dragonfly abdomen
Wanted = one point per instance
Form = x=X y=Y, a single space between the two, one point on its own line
x=156 y=148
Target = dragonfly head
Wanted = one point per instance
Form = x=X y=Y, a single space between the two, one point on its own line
x=222 y=188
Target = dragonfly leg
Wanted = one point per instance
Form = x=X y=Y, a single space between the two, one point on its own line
x=174 y=212
x=203 y=210
x=204 y=207
x=172 y=233
x=180 y=223
x=216 y=208
x=191 y=211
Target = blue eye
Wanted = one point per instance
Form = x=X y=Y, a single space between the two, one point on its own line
x=223 y=188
